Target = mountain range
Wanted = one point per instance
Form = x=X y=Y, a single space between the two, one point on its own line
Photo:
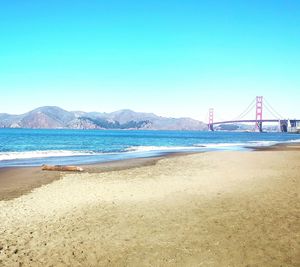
x=51 y=117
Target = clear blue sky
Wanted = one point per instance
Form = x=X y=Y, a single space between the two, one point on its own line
x=175 y=58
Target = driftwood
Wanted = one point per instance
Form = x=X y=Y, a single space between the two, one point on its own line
x=61 y=168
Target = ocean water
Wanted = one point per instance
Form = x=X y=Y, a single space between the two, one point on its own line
x=31 y=147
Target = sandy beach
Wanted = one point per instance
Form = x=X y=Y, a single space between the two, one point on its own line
x=207 y=209
x=15 y=182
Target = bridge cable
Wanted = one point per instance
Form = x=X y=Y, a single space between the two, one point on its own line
x=247 y=110
x=267 y=104
x=245 y=114
x=272 y=113
x=270 y=106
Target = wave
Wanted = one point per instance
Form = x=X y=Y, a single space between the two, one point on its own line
x=295 y=141
x=42 y=154
x=246 y=144
x=220 y=145
x=258 y=143
x=263 y=143
x=271 y=143
x=201 y=146
x=159 y=148
x=7 y=156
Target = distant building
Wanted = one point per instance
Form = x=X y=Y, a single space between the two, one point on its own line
x=294 y=126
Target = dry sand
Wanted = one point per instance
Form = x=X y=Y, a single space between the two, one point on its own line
x=209 y=209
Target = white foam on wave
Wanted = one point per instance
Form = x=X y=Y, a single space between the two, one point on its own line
x=295 y=141
x=262 y=143
x=220 y=145
x=229 y=146
x=253 y=144
x=271 y=143
x=41 y=154
x=195 y=147
x=159 y=148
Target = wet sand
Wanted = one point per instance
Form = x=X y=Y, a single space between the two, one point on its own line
x=15 y=182
x=208 y=209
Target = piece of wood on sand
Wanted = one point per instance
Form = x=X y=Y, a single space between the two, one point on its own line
x=61 y=168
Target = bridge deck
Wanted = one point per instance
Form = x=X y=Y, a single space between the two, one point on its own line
x=249 y=121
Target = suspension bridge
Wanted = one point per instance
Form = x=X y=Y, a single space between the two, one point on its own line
x=259 y=104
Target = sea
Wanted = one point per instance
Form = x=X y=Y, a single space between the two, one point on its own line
x=34 y=147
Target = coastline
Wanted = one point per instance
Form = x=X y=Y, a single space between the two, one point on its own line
x=225 y=208
x=17 y=181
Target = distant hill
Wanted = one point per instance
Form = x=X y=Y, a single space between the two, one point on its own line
x=50 y=117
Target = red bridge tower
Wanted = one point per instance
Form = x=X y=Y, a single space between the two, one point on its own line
x=211 y=120
x=259 y=110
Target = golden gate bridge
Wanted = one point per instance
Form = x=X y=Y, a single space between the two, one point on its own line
x=259 y=104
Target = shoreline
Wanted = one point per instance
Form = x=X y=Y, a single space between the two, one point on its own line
x=17 y=181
